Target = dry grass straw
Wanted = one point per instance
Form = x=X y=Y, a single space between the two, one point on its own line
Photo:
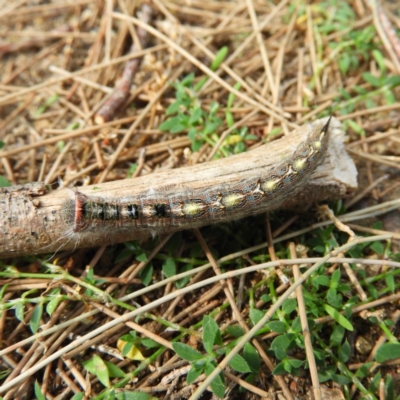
x=74 y=54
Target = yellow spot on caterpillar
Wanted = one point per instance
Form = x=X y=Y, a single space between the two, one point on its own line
x=192 y=208
x=317 y=144
x=232 y=199
x=269 y=186
x=299 y=164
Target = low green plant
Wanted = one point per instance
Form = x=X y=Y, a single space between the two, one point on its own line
x=213 y=345
x=187 y=114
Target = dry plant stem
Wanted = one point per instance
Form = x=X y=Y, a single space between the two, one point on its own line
x=313 y=52
x=270 y=108
x=271 y=251
x=306 y=331
x=131 y=130
x=248 y=386
x=239 y=317
x=224 y=363
x=261 y=46
x=374 y=158
x=345 y=228
x=382 y=339
x=62 y=326
x=11 y=98
x=363 y=193
x=41 y=215
x=121 y=93
x=15 y=113
x=206 y=70
x=386 y=33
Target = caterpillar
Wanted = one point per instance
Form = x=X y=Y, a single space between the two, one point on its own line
x=159 y=211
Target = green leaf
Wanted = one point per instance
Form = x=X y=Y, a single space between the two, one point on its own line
x=38 y=392
x=364 y=370
x=4 y=182
x=335 y=278
x=380 y=60
x=334 y=298
x=229 y=119
x=283 y=342
x=3 y=290
x=186 y=352
x=388 y=351
x=356 y=128
x=141 y=257
x=377 y=247
x=239 y=364
x=339 y=318
x=172 y=109
x=172 y=125
x=371 y=79
x=344 y=63
x=340 y=379
x=49 y=101
x=390 y=282
x=235 y=330
x=97 y=367
x=277 y=326
x=279 y=369
x=217 y=385
x=133 y=396
x=19 y=311
x=184 y=281
x=127 y=346
x=146 y=274
x=211 y=127
x=211 y=334
x=344 y=352
x=256 y=315
x=389 y=97
x=289 y=305
x=252 y=357
x=114 y=371
x=231 y=96
x=52 y=304
x=322 y=280
x=169 y=267
x=195 y=116
x=296 y=326
x=200 y=83
x=77 y=396
x=150 y=344
x=193 y=374
x=337 y=336
x=393 y=80
x=219 y=58
x=36 y=316
x=389 y=387
x=295 y=363
x=131 y=170
x=187 y=80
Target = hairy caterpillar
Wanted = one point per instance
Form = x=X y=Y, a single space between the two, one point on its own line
x=180 y=208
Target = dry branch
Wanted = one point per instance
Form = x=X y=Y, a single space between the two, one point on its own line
x=32 y=222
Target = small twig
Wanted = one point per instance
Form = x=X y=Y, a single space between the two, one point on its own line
x=306 y=330
x=121 y=93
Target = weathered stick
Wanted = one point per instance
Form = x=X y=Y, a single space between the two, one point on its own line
x=280 y=174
